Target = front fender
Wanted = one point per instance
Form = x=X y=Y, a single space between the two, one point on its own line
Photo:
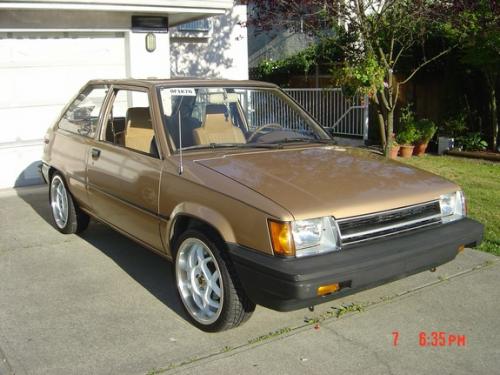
x=202 y=213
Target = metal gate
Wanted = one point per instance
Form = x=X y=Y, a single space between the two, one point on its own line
x=343 y=115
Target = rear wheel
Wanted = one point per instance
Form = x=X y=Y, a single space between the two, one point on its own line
x=68 y=218
x=207 y=284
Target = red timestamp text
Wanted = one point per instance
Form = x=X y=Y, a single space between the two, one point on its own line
x=440 y=339
x=435 y=339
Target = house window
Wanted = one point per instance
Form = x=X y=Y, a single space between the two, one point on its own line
x=199 y=25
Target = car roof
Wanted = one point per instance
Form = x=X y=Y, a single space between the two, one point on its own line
x=182 y=82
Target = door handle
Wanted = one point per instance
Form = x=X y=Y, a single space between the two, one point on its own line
x=96 y=153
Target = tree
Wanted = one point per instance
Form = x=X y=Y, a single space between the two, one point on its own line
x=479 y=29
x=376 y=38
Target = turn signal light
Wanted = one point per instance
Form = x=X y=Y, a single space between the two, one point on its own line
x=461 y=248
x=281 y=238
x=328 y=289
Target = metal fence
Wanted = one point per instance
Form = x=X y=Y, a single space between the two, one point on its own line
x=268 y=108
x=332 y=109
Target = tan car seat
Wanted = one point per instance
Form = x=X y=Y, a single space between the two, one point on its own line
x=217 y=127
x=139 y=129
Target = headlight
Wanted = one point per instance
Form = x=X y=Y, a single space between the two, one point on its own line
x=452 y=206
x=304 y=237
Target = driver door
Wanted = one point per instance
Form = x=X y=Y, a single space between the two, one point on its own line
x=124 y=168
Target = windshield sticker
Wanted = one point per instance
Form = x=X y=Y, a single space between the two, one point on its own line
x=182 y=92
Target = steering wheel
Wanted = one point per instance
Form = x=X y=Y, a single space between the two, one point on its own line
x=271 y=125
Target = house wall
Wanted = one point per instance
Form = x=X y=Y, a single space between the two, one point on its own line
x=219 y=53
x=46 y=55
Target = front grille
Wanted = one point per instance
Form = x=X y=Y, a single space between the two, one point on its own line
x=366 y=227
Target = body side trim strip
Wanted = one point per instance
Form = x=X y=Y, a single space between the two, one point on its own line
x=128 y=203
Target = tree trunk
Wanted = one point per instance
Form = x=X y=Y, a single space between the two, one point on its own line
x=381 y=121
x=494 y=118
x=491 y=80
x=390 y=129
x=381 y=127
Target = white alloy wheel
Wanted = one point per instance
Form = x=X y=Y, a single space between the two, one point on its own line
x=59 y=201
x=199 y=281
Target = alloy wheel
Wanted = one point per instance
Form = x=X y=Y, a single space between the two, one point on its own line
x=199 y=281
x=59 y=201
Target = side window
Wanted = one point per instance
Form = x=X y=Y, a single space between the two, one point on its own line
x=129 y=123
x=82 y=115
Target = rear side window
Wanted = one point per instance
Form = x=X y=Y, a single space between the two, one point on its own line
x=82 y=116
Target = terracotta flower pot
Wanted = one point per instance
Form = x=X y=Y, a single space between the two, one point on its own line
x=407 y=151
x=394 y=151
x=420 y=149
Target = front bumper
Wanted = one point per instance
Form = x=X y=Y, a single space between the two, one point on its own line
x=286 y=284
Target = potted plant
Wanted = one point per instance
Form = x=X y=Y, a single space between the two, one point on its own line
x=405 y=139
x=426 y=130
x=408 y=132
x=394 y=147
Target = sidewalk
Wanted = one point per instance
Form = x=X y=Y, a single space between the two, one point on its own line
x=101 y=304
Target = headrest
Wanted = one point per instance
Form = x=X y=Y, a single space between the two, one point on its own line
x=221 y=98
x=212 y=109
x=217 y=118
x=139 y=117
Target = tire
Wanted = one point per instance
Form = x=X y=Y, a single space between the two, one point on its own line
x=211 y=294
x=67 y=216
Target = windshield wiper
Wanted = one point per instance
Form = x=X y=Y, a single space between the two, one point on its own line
x=306 y=140
x=257 y=145
x=234 y=145
x=277 y=144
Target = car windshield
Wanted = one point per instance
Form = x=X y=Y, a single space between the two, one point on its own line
x=216 y=117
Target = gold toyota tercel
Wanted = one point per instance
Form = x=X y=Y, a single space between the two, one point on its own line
x=246 y=194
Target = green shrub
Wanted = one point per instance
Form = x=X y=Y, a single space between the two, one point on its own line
x=455 y=126
x=407 y=117
x=408 y=132
x=407 y=136
x=472 y=142
x=392 y=140
x=426 y=130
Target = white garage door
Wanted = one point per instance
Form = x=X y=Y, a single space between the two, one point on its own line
x=39 y=73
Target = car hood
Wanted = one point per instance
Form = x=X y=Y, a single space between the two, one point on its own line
x=319 y=181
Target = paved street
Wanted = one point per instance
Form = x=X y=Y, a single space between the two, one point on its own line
x=100 y=304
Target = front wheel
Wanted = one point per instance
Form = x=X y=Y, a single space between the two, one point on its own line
x=207 y=284
x=68 y=218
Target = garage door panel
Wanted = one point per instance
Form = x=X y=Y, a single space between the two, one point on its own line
x=46 y=85
x=21 y=124
x=21 y=50
x=39 y=75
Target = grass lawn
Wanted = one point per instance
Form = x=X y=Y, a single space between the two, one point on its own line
x=480 y=181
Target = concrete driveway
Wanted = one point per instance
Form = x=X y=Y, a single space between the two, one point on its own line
x=100 y=304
